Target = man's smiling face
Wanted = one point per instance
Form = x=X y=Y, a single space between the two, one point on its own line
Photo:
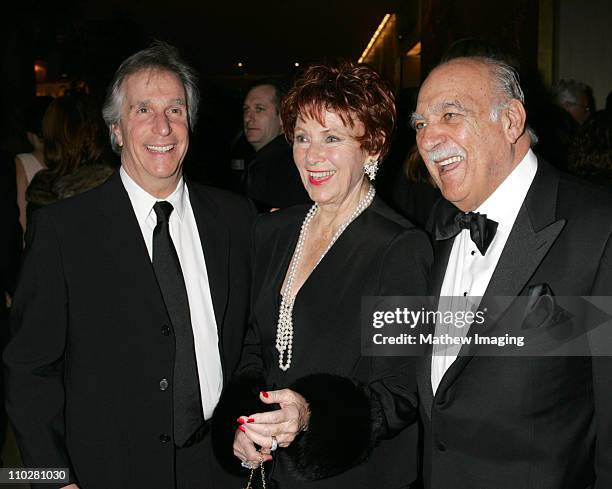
x=153 y=131
x=465 y=148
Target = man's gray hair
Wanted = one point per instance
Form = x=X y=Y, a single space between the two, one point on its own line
x=159 y=56
x=507 y=85
x=568 y=91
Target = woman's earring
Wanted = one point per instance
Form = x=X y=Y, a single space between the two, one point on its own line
x=370 y=169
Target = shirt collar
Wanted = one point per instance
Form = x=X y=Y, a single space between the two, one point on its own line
x=143 y=201
x=504 y=203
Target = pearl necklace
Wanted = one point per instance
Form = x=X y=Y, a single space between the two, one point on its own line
x=284 y=328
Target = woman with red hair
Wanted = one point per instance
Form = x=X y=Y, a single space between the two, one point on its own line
x=339 y=419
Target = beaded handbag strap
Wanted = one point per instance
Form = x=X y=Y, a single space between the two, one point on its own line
x=263 y=477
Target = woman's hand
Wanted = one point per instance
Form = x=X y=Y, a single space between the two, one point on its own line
x=246 y=451
x=283 y=424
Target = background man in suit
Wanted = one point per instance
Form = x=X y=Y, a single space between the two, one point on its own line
x=261 y=115
x=494 y=422
x=271 y=177
x=126 y=322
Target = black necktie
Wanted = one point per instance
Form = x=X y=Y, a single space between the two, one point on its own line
x=188 y=416
x=449 y=221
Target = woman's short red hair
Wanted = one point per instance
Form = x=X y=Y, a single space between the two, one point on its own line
x=355 y=92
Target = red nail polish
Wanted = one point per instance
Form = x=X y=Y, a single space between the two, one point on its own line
x=250 y=420
x=239 y=420
x=265 y=394
x=242 y=428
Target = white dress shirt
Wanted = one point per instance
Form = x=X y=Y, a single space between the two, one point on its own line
x=468 y=272
x=186 y=239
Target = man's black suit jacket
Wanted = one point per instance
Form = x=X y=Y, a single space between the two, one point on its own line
x=530 y=423
x=91 y=345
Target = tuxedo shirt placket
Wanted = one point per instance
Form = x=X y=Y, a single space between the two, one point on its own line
x=455 y=297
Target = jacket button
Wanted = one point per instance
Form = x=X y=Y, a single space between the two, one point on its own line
x=165 y=330
x=164 y=438
x=441 y=446
x=163 y=384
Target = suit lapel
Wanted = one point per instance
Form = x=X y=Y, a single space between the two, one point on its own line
x=442 y=253
x=424 y=380
x=536 y=229
x=523 y=253
x=214 y=237
x=442 y=250
x=126 y=245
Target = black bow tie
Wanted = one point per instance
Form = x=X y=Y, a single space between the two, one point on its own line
x=449 y=221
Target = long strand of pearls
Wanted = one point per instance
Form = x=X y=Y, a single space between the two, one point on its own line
x=284 y=328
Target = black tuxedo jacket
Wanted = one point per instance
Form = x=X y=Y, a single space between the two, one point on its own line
x=530 y=423
x=91 y=345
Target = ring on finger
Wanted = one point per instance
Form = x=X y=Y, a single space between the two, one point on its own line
x=274 y=445
x=246 y=464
